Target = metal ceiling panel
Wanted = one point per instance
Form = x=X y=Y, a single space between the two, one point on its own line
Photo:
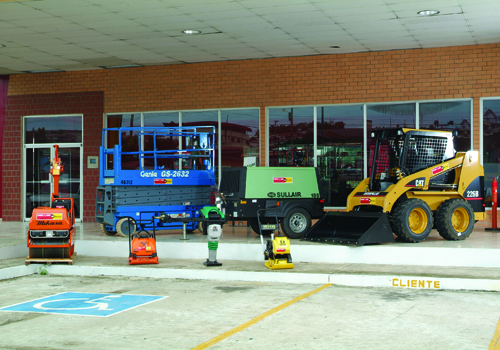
x=67 y=34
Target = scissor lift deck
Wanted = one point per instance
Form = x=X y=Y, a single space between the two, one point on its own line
x=145 y=171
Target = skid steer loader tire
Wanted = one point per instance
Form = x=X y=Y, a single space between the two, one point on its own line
x=455 y=219
x=412 y=220
x=296 y=223
x=124 y=228
x=107 y=232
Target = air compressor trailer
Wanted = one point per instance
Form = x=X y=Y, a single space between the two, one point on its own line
x=293 y=194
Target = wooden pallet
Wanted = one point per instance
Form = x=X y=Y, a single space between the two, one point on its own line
x=49 y=261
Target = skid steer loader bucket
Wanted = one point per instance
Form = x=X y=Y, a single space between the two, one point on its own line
x=356 y=228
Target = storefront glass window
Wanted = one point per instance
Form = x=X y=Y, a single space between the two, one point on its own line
x=291 y=137
x=161 y=119
x=340 y=151
x=240 y=138
x=387 y=116
x=204 y=118
x=129 y=139
x=450 y=116
x=48 y=129
x=491 y=144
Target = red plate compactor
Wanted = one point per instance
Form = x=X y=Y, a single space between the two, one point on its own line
x=52 y=231
x=142 y=246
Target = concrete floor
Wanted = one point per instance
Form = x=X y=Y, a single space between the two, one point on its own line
x=15 y=232
x=250 y=315
x=243 y=305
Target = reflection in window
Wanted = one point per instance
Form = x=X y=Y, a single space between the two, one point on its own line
x=38 y=164
x=340 y=151
x=240 y=138
x=204 y=118
x=69 y=183
x=387 y=116
x=161 y=119
x=129 y=140
x=291 y=136
x=491 y=144
x=38 y=183
x=450 y=116
x=38 y=190
x=162 y=142
x=53 y=129
x=239 y=134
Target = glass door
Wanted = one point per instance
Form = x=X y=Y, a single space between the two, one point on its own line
x=70 y=180
x=41 y=133
x=39 y=183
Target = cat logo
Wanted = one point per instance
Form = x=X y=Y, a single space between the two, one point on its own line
x=420 y=182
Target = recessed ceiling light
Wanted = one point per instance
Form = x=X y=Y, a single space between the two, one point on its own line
x=191 y=31
x=428 y=13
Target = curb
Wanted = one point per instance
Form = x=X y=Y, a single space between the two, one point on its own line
x=347 y=280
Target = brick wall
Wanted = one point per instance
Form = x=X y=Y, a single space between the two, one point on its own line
x=90 y=104
x=4 y=87
x=404 y=75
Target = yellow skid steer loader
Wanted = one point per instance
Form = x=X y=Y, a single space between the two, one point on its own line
x=416 y=182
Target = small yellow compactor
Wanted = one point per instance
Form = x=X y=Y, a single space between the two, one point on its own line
x=277 y=249
x=416 y=182
x=277 y=253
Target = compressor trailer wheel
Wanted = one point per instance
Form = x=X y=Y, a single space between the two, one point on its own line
x=296 y=223
x=455 y=219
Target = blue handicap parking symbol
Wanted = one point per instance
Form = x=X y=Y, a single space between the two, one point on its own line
x=84 y=304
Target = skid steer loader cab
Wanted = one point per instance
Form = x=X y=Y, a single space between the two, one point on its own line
x=398 y=153
x=416 y=181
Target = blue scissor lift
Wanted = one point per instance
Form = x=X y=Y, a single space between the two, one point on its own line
x=146 y=172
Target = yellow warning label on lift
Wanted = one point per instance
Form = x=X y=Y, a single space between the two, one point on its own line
x=162 y=181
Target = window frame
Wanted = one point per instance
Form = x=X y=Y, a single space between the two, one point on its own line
x=365 y=106
x=481 y=135
x=26 y=146
x=218 y=131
